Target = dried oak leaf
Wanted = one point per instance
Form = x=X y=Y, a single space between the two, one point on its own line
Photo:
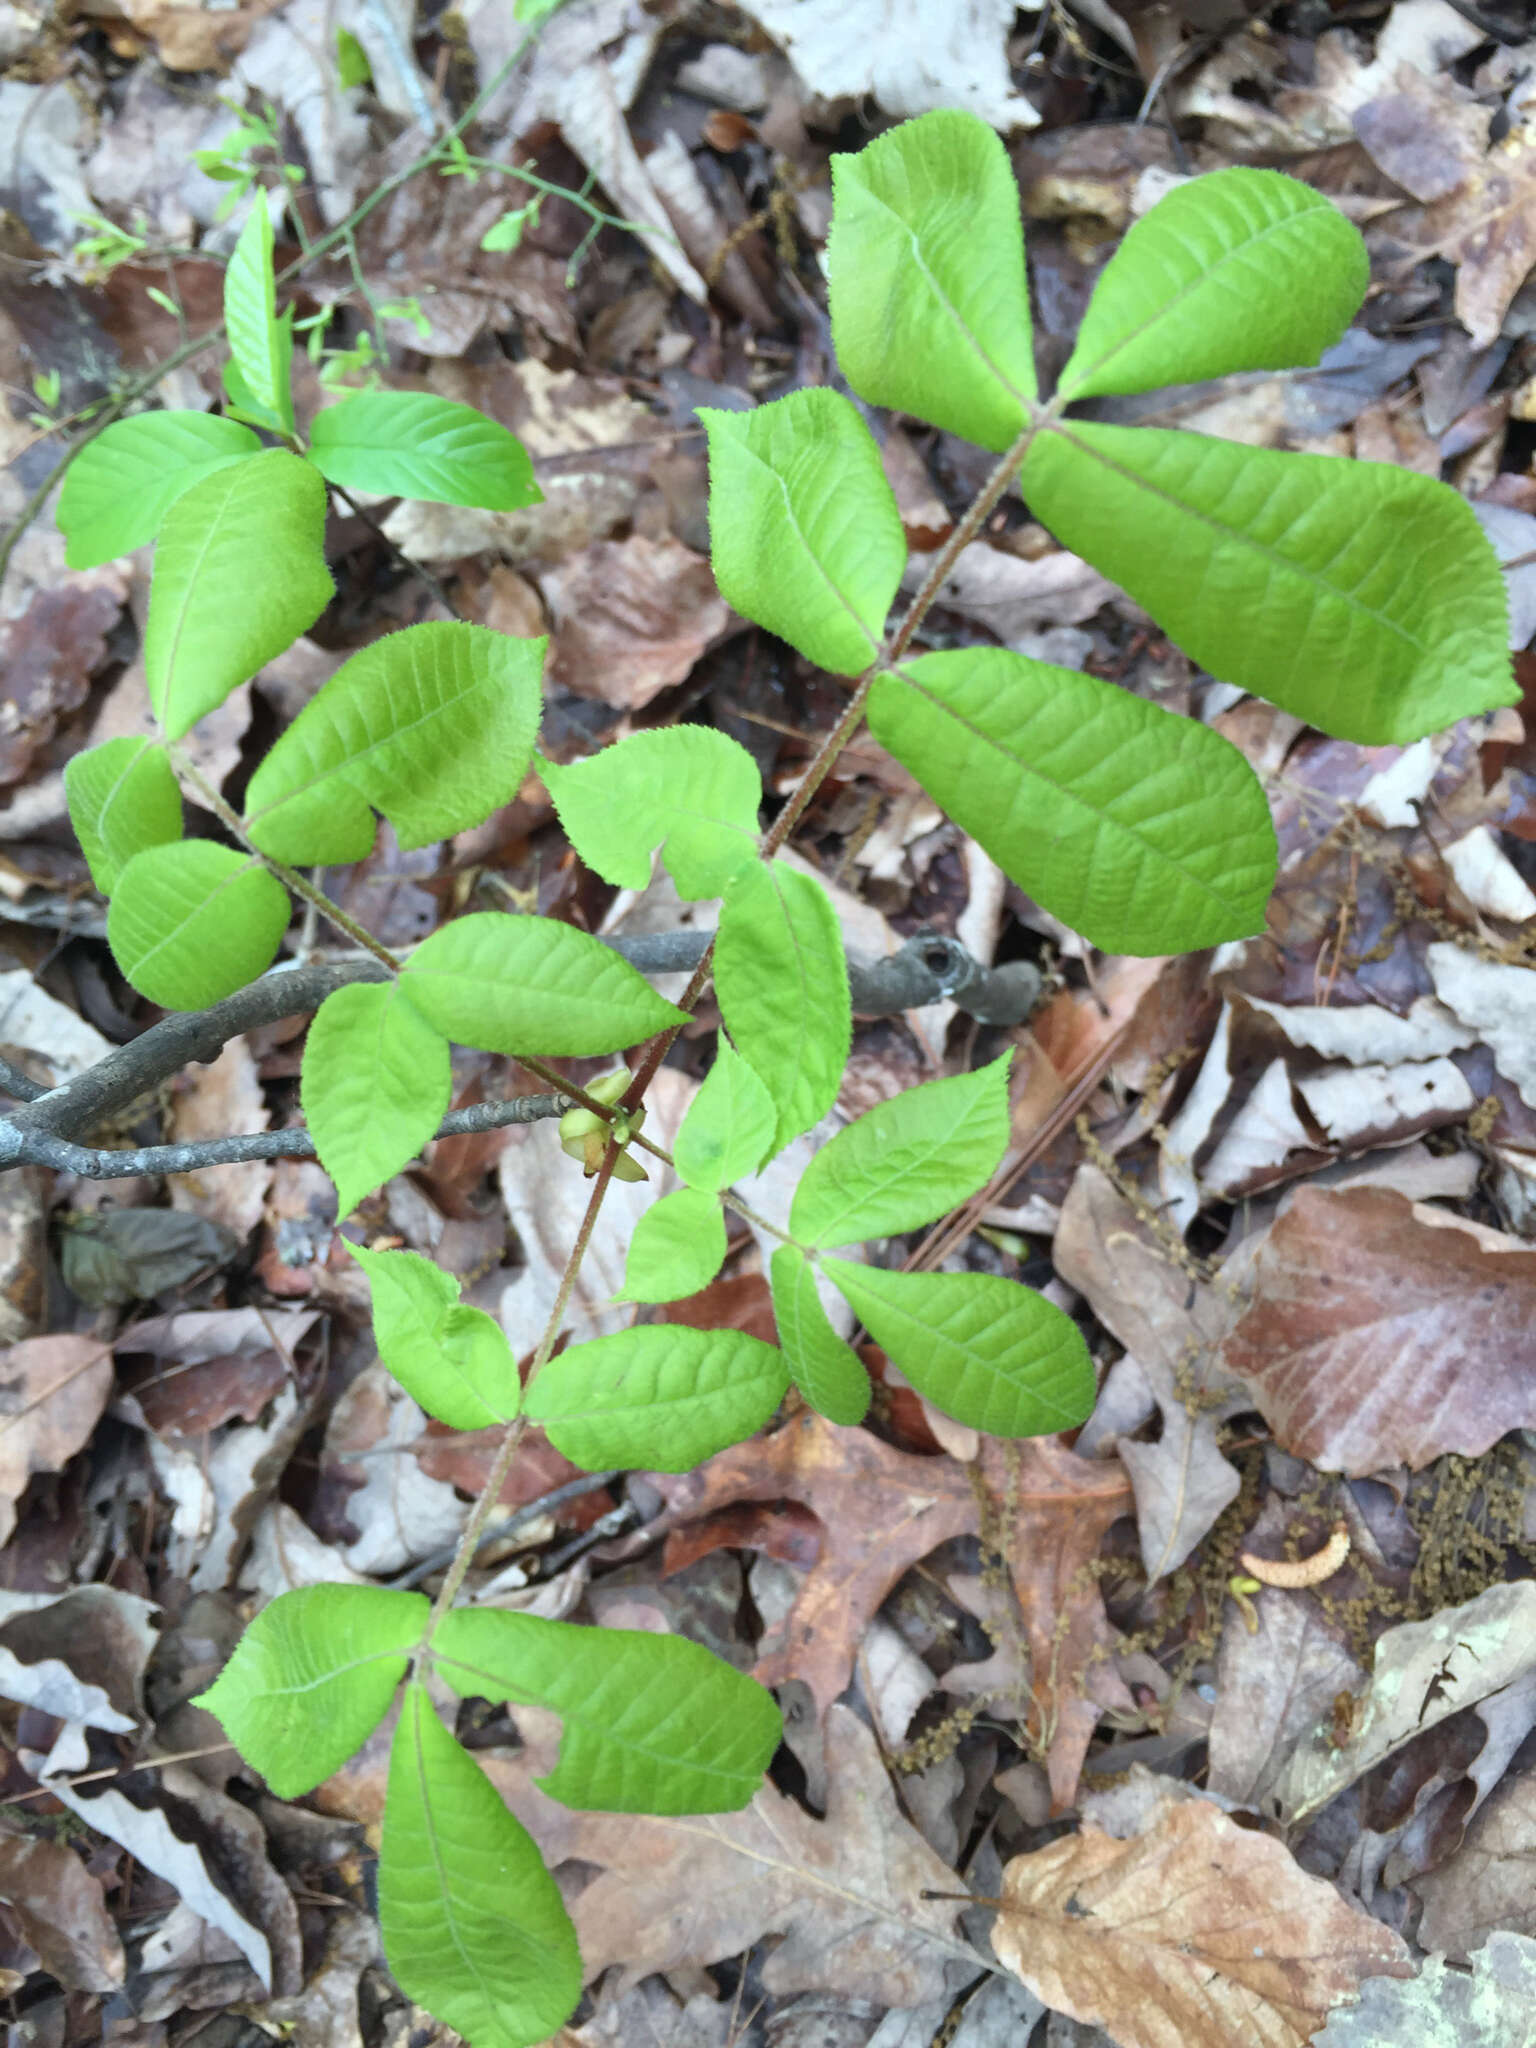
x=1052 y=1510
x=880 y=1511
x=1384 y=1333
x=844 y=1892
x=61 y=1912
x=52 y=1392
x=1192 y=1933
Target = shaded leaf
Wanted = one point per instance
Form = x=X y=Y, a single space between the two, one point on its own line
x=1193 y=1932
x=433 y=726
x=1380 y=1333
x=312 y=1677
x=1145 y=831
x=925 y=274
x=192 y=921
x=804 y=533
x=61 y=1913
x=1361 y=597
x=115 y=1256
x=728 y=1128
x=653 y=1723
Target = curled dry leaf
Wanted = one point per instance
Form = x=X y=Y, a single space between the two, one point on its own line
x=52 y=1392
x=1380 y=1333
x=81 y=1657
x=1193 y=1933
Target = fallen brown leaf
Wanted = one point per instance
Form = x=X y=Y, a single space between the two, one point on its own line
x=1054 y=1509
x=1275 y=1685
x=631 y=617
x=1381 y=1334
x=61 y=1913
x=52 y=1392
x=844 y=1892
x=880 y=1511
x=210 y=1102
x=1194 y=1933
x=1490 y=1882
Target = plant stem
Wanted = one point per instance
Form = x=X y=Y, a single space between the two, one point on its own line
x=506 y=1455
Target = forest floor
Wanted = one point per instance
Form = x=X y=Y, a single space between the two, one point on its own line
x=1288 y=1189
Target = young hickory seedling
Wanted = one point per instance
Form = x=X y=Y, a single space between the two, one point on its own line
x=1362 y=598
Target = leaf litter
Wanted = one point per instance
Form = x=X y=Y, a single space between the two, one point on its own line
x=1289 y=1190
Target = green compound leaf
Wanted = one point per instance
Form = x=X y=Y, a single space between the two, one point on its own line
x=782 y=982
x=239 y=574
x=312 y=1677
x=653 y=1724
x=452 y=1359
x=678 y=1247
x=804 y=532
x=663 y=1398
x=907 y=1161
x=1363 y=598
x=728 y=1129
x=122 y=798
x=409 y=444
x=689 y=790
x=989 y=1352
x=375 y=1084
x=190 y=922
x=531 y=984
x=121 y=485
x=433 y=726
x=474 y=1926
x=827 y=1371
x=1143 y=831
x=1240 y=270
x=925 y=271
x=260 y=343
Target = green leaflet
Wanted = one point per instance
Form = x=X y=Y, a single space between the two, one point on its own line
x=804 y=532
x=678 y=1247
x=1145 y=831
x=827 y=1371
x=120 y=486
x=1239 y=270
x=375 y=1084
x=653 y=1724
x=190 y=922
x=689 y=790
x=239 y=573
x=661 y=1397
x=989 y=1352
x=925 y=272
x=260 y=344
x=410 y=444
x=474 y=1927
x=530 y=984
x=434 y=726
x=782 y=982
x=1363 y=598
x=452 y=1359
x=907 y=1161
x=728 y=1129
x=122 y=798
x=312 y=1677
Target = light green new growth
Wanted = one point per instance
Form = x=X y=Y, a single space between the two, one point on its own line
x=728 y=1130
x=374 y=1085
x=678 y=1247
x=122 y=799
x=452 y=1359
x=827 y=1371
x=191 y=921
x=410 y=444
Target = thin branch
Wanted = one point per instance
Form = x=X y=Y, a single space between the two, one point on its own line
x=573 y=1489
x=928 y=969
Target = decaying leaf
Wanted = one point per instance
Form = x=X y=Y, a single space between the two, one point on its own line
x=1381 y=1333
x=631 y=617
x=880 y=1511
x=1422 y=1672
x=1193 y=1933
x=52 y=1391
x=1052 y=1509
x=1490 y=1883
x=845 y=1892
x=1275 y=1686
x=80 y=1657
x=113 y=1256
x=62 y=1913
x=213 y=1100
x=1444 y=2008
